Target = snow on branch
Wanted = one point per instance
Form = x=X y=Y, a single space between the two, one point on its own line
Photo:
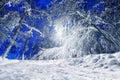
x=33 y=28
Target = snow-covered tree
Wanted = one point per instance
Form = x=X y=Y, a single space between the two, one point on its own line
x=90 y=32
x=69 y=29
x=109 y=14
x=13 y=21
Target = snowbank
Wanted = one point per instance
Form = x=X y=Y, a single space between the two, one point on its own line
x=61 y=69
x=93 y=61
x=107 y=61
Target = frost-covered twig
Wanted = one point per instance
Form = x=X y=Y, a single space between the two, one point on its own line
x=33 y=28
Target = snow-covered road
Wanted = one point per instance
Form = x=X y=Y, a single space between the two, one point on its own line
x=53 y=70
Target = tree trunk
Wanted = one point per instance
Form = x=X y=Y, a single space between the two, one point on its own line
x=11 y=42
x=25 y=48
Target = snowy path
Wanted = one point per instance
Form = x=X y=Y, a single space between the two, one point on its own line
x=53 y=70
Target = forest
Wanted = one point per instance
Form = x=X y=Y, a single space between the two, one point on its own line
x=62 y=28
x=59 y=39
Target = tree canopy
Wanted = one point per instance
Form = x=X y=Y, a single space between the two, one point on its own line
x=73 y=28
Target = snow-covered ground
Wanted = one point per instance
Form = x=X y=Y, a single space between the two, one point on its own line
x=95 y=67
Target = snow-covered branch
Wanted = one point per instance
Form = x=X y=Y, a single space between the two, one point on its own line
x=35 y=29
